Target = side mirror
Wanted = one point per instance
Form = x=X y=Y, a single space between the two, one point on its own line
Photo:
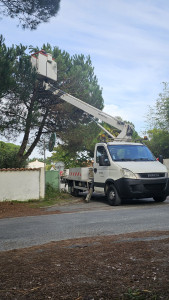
x=160 y=158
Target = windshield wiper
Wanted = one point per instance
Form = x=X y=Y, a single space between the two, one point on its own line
x=124 y=159
x=134 y=159
x=145 y=159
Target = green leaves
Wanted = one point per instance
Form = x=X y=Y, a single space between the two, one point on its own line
x=29 y=109
x=158 y=142
x=8 y=157
x=30 y=13
x=158 y=124
x=158 y=116
x=9 y=59
x=70 y=158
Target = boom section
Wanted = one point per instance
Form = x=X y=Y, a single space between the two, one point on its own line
x=91 y=110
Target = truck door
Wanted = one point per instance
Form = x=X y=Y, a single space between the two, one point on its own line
x=101 y=168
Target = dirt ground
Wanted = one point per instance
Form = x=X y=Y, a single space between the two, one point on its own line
x=18 y=209
x=130 y=266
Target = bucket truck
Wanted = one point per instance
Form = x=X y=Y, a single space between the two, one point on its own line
x=121 y=169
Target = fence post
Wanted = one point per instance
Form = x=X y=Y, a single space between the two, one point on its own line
x=59 y=180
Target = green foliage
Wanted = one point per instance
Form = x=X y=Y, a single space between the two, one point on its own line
x=158 y=142
x=115 y=131
x=8 y=57
x=30 y=13
x=8 y=156
x=79 y=150
x=70 y=159
x=158 y=124
x=135 y=136
x=48 y=167
x=158 y=116
x=35 y=112
x=80 y=143
x=35 y=158
x=52 y=197
x=139 y=295
x=112 y=130
x=51 y=192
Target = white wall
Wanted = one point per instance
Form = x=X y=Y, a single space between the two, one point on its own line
x=22 y=184
x=166 y=163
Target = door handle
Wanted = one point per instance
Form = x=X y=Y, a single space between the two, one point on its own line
x=95 y=170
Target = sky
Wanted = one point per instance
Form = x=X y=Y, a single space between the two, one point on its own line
x=127 y=41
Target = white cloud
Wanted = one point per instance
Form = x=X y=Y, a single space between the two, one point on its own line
x=128 y=113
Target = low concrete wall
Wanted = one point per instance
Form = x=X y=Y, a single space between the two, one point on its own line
x=22 y=184
x=166 y=163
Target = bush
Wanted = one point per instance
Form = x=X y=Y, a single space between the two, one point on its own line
x=8 y=157
x=51 y=192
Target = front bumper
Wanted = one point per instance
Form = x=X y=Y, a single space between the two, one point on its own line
x=142 y=188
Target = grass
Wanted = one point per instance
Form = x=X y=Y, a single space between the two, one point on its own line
x=52 y=197
x=139 y=295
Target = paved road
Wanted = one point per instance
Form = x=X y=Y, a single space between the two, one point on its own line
x=82 y=220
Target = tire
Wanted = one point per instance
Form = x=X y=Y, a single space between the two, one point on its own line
x=159 y=198
x=75 y=192
x=112 y=196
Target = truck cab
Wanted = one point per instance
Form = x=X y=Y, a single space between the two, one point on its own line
x=128 y=170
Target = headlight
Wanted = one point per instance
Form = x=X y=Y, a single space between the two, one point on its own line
x=166 y=174
x=128 y=174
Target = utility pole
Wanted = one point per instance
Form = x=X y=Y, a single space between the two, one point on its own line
x=44 y=158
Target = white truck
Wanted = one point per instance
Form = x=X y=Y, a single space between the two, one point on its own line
x=121 y=169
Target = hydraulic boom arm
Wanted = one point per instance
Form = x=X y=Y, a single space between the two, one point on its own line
x=46 y=68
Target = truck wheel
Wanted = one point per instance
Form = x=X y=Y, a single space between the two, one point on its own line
x=112 y=196
x=75 y=192
x=159 y=198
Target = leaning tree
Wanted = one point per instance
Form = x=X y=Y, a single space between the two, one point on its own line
x=28 y=111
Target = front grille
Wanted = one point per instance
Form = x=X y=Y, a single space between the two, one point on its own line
x=155 y=187
x=152 y=175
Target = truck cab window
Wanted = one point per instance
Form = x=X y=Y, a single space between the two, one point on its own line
x=130 y=153
x=101 y=152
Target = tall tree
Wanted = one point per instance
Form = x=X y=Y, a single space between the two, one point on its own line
x=158 y=124
x=8 y=56
x=158 y=116
x=158 y=142
x=78 y=149
x=30 y=12
x=8 y=157
x=34 y=112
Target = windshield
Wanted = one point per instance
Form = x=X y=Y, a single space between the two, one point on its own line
x=130 y=153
